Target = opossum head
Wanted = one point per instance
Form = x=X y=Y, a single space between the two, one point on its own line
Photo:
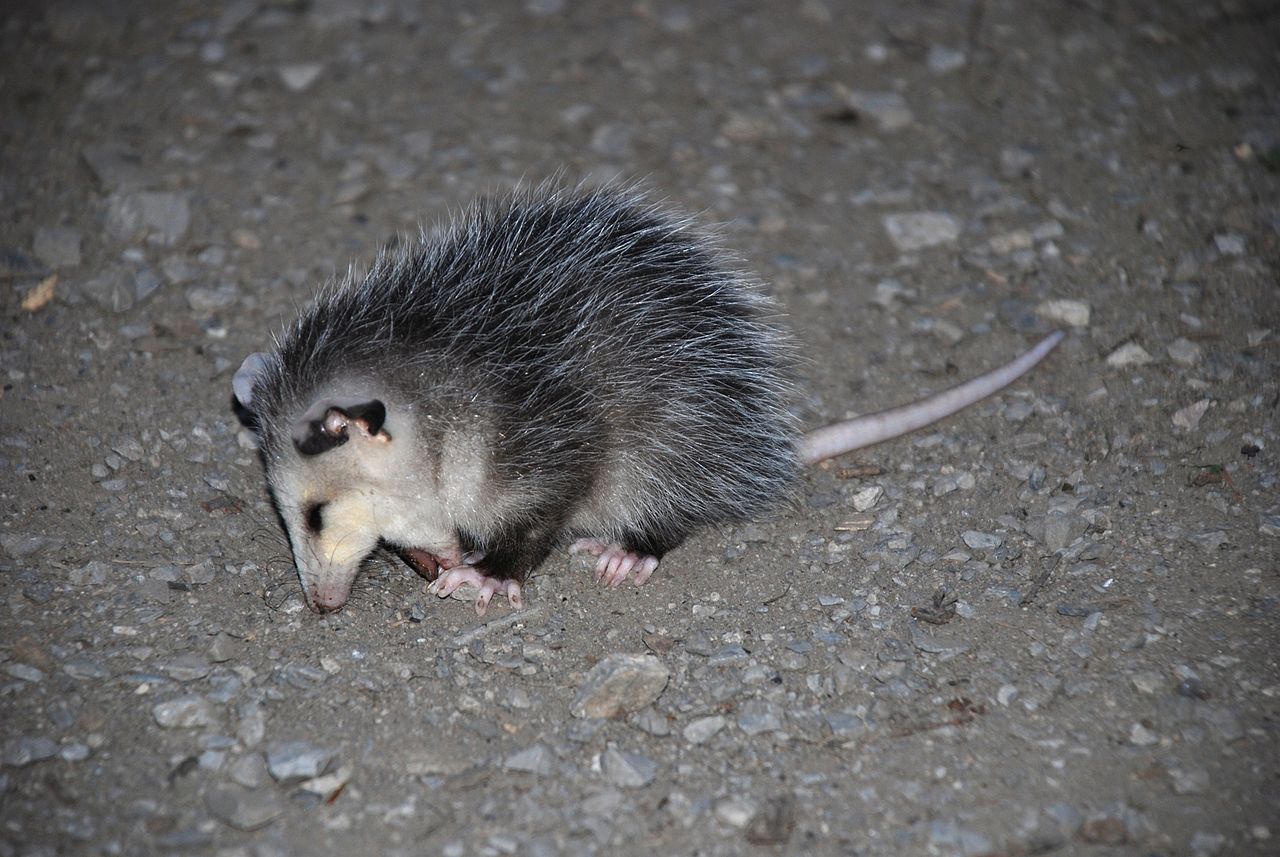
x=336 y=464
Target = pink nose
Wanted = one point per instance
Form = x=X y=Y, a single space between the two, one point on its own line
x=327 y=599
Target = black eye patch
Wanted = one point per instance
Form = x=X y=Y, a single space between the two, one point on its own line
x=315 y=517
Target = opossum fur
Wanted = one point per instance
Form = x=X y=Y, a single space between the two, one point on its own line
x=556 y=365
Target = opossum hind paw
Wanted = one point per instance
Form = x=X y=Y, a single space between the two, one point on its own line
x=486 y=587
x=615 y=563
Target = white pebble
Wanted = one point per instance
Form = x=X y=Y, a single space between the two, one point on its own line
x=1129 y=354
x=1066 y=311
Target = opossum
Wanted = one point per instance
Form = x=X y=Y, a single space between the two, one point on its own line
x=560 y=366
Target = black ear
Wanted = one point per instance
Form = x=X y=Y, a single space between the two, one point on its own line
x=329 y=423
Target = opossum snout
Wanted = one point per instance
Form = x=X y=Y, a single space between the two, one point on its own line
x=327 y=596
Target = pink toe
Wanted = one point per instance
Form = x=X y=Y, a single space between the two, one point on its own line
x=645 y=570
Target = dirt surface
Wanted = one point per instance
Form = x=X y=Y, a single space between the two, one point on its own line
x=1048 y=625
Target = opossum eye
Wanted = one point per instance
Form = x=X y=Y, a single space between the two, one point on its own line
x=315 y=517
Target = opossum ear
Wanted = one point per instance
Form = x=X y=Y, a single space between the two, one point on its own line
x=329 y=422
x=247 y=377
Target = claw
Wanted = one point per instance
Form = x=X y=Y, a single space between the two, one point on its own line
x=455 y=578
x=614 y=564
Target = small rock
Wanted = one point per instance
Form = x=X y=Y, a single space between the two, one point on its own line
x=867 y=498
x=291 y=761
x=888 y=109
x=206 y=299
x=981 y=541
x=703 y=729
x=23 y=751
x=116 y=168
x=1129 y=354
x=538 y=760
x=628 y=770
x=1230 y=244
x=1209 y=541
x=297 y=77
x=1016 y=162
x=1008 y=242
x=224 y=648
x=735 y=811
x=112 y=289
x=1189 y=781
x=57 y=246
x=249 y=771
x=161 y=217
x=1205 y=844
x=948 y=837
x=943 y=59
x=920 y=229
x=184 y=712
x=756 y=716
x=24 y=672
x=1147 y=681
x=620 y=683
x=93 y=573
x=1184 y=352
x=774 y=822
x=201 y=573
x=1065 y=311
x=1141 y=736
x=187 y=668
x=1104 y=830
x=243 y=809
x=1188 y=418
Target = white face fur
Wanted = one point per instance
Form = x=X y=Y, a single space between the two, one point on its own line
x=338 y=503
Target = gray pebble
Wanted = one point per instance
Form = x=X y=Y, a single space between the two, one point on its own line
x=620 y=683
x=224 y=648
x=703 y=729
x=730 y=654
x=201 y=573
x=699 y=643
x=537 y=760
x=243 y=809
x=291 y=761
x=1189 y=781
x=628 y=770
x=891 y=113
x=25 y=672
x=57 y=246
x=981 y=541
x=650 y=721
x=184 y=712
x=943 y=59
x=85 y=669
x=23 y=751
x=250 y=771
x=112 y=289
x=187 y=668
x=93 y=573
x=774 y=822
x=160 y=217
x=116 y=167
x=757 y=715
x=948 y=837
x=1210 y=541
x=74 y=752
x=918 y=230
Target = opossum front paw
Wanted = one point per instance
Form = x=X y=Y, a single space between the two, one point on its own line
x=467 y=575
x=615 y=562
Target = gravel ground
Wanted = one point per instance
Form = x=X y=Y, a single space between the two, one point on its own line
x=1046 y=626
